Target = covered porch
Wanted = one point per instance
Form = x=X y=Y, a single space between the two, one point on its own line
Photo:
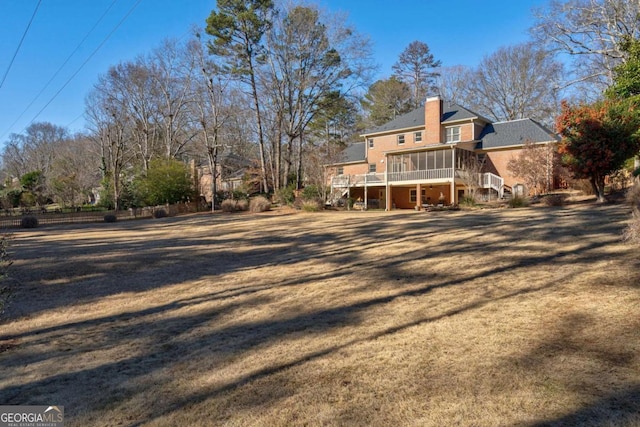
x=416 y=179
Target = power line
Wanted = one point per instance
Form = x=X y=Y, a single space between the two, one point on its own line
x=74 y=120
x=58 y=70
x=85 y=62
x=20 y=44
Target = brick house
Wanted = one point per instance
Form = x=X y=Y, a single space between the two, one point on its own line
x=424 y=157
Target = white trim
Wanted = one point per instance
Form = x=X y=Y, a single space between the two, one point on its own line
x=459 y=127
x=392 y=131
x=470 y=119
x=516 y=146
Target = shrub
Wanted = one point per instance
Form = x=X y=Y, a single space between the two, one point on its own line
x=518 y=202
x=259 y=204
x=554 y=200
x=314 y=205
x=285 y=196
x=242 y=205
x=631 y=234
x=110 y=218
x=239 y=195
x=29 y=222
x=467 y=201
x=166 y=181
x=5 y=259
x=310 y=192
x=159 y=213
x=633 y=197
x=228 y=205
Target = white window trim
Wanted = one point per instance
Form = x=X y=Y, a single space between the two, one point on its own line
x=403 y=139
x=414 y=137
x=446 y=134
x=370 y=143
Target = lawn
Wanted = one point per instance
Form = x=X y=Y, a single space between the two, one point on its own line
x=497 y=317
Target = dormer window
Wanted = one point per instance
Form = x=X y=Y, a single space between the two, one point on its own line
x=400 y=139
x=453 y=134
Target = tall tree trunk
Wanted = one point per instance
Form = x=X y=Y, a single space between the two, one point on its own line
x=256 y=104
x=278 y=155
x=299 y=164
x=597 y=183
x=288 y=160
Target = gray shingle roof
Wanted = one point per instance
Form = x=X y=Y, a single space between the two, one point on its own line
x=354 y=152
x=450 y=112
x=414 y=118
x=515 y=132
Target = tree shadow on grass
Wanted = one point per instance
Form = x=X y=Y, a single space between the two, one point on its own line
x=166 y=337
x=618 y=408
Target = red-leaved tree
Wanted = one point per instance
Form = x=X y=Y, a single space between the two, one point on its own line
x=598 y=138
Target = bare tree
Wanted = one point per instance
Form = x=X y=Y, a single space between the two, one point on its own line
x=133 y=84
x=535 y=165
x=75 y=172
x=305 y=67
x=210 y=90
x=590 y=31
x=108 y=119
x=453 y=84
x=517 y=82
x=469 y=169
x=34 y=150
x=416 y=67
x=172 y=71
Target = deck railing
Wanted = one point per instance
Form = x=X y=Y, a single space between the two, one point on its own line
x=420 y=175
x=357 y=180
x=485 y=180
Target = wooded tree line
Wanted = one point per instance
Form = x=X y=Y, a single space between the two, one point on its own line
x=288 y=85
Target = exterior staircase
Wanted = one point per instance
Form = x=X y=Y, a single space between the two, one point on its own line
x=507 y=193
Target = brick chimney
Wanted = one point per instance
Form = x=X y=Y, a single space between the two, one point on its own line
x=432 y=118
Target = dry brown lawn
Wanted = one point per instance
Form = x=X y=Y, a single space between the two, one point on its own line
x=500 y=317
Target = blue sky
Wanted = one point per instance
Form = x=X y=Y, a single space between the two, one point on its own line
x=457 y=31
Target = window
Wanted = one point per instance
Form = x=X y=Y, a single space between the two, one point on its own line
x=417 y=137
x=340 y=170
x=397 y=164
x=400 y=139
x=370 y=141
x=413 y=193
x=453 y=134
x=372 y=168
x=431 y=160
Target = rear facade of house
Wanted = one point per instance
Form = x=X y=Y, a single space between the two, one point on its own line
x=434 y=155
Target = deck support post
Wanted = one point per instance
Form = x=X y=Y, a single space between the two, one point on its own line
x=453 y=176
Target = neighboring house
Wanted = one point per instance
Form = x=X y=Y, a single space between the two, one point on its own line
x=232 y=171
x=427 y=157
